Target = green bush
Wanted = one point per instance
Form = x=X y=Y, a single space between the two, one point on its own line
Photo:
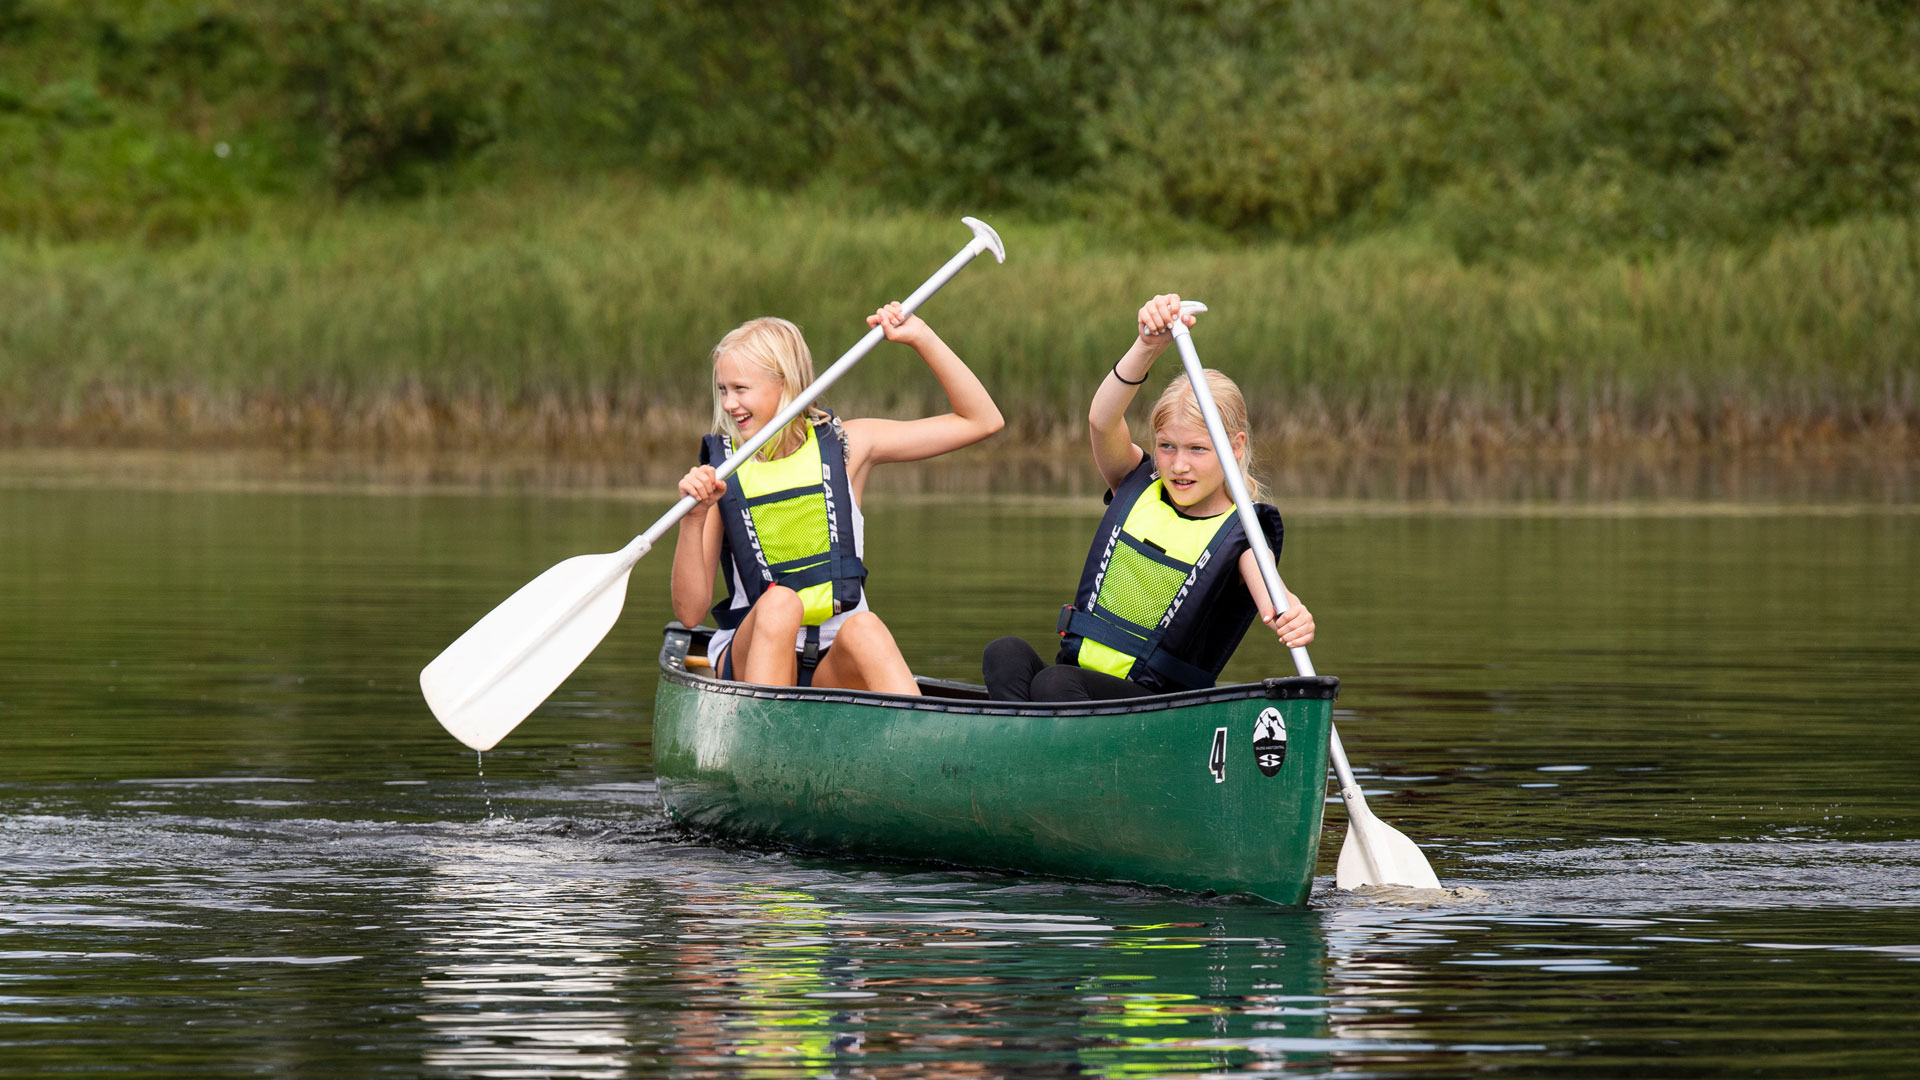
x=165 y=119
x=394 y=88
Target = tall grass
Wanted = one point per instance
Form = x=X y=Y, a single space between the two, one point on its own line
x=580 y=314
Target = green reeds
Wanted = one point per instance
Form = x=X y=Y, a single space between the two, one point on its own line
x=580 y=314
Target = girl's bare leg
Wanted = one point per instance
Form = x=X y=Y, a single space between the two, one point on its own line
x=864 y=657
x=763 y=646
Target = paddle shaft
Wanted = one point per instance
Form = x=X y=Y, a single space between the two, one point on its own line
x=1243 y=502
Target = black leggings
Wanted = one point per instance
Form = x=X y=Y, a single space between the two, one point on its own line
x=1015 y=672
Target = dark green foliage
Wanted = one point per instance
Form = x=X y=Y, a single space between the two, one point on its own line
x=166 y=118
x=980 y=103
x=1501 y=129
x=394 y=88
x=1643 y=122
x=750 y=88
x=111 y=120
x=1504 y=128
x=983 y=105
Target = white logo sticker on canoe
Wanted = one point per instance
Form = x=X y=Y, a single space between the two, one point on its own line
x=1217 y=757
x=1270 y=742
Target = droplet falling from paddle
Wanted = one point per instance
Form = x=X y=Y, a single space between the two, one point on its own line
x=480 y=766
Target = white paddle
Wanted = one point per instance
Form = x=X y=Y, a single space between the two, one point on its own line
x=1374 y=853
x=506 y=664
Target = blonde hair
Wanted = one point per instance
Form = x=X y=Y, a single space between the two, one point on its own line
x=1178 y=405
x=776 y=347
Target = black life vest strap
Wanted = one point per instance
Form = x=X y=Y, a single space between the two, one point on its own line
x=727 y=618
x=783 y=496
x=849 y=570
x=1148 y=634
x=815 y=569
x=1154 y=553
x=782 y=569
x=1092 y=627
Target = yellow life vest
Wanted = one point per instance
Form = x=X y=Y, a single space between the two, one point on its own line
x=1154 y=581
x=789 y=522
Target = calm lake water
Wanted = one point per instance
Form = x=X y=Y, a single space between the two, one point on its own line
x=1668 y=745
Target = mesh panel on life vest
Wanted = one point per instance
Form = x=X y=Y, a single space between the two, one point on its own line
x=792 y=528
x=1137 y=588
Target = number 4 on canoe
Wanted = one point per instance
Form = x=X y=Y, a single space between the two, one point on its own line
x=501 y=669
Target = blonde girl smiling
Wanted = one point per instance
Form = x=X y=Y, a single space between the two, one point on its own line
x=786 y=530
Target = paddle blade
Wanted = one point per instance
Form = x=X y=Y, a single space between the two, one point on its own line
x=503 y=667
x=1375 y=853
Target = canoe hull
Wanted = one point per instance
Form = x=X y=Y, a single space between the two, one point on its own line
x=1166 y=791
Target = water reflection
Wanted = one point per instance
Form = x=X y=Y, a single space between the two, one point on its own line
x=527 y=971
x=785 y=982
x=769 y=988
x=1142 y=1024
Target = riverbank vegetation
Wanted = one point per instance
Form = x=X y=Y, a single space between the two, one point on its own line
x=582 y=313
x=1455 y=223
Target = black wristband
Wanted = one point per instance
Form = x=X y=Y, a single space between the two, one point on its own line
x=1124 y=379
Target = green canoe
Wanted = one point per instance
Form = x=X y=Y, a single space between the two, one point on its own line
x=1171 y=790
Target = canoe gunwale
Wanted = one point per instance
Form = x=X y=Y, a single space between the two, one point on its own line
x=679 y=642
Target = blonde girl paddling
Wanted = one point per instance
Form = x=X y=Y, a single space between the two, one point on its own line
x=1170 y=585
x=787 y=532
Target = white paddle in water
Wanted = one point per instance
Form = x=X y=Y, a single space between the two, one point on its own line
x=1374 y=853
x=503 y=667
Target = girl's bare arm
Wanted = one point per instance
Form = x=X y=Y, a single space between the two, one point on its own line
x=1114 y=451
x=1296 y=626
x=696 y=553
x=974 y=415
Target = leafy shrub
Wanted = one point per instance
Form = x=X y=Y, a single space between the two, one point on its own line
x=394 y=88
x=77 y=160
x=120 y=116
